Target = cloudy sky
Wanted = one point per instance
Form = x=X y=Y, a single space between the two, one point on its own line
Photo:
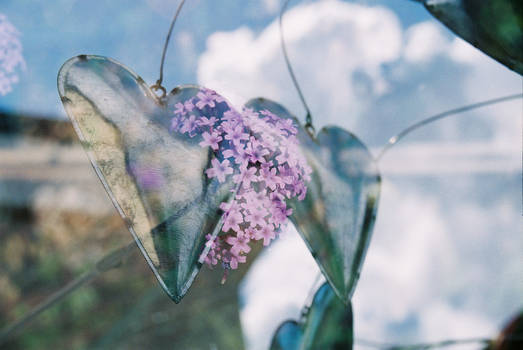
x=446 y=258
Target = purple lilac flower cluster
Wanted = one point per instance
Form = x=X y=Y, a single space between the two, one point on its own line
x=260 y=153
x=10 y=55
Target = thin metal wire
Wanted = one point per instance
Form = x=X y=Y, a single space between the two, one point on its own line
x=158 y=84
x=308 y=118
x=108 y=262
x=395 y=139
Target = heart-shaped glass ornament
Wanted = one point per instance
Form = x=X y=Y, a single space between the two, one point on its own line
x=187 y=171
x=493 y=26
x=194 y=179
x=155 y=178
x=326 y=325
x=337 y=216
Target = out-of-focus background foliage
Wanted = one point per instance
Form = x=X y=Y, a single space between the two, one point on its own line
x=56 y=222
x=446 y=257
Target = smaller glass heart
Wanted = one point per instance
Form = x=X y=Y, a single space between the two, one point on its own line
x=337 y=215
x=326 y=325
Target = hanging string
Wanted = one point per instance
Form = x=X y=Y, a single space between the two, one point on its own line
x=308 y=118
x=108 y=262
x=395 y=139
x=158 y=85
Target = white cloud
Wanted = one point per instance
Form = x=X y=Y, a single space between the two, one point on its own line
x=429 y=255
x=400 y=258
x=276 y=288
x=440 y=263
x=328 y=42
x=424 y=41
x=359 y=70
x=439 y=321
x=435 y=270
x=451 y=159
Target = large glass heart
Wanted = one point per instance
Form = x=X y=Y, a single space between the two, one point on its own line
x=337 y=216
x=155 y=178
x=493 y=26
x=159 y=177
x=327 y=325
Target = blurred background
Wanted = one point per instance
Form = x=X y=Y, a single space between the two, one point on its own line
x=446 y=257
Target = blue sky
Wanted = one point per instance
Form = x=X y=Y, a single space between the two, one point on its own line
x=447 y=243
x=132 y=32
